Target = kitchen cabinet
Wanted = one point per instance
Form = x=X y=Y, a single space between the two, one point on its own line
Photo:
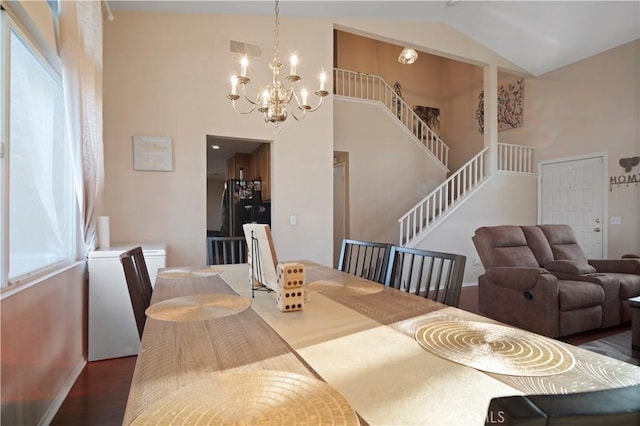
x=235 y=163
x=261 y=168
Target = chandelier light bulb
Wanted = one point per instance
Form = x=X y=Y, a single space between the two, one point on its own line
x=304 y=94
x=234 y=85
x=323 y=79
x=244 y=63
x=294 y=62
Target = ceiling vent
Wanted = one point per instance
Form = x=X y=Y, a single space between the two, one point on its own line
x=241 y=48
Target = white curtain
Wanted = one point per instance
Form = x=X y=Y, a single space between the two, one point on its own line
x=81 y=53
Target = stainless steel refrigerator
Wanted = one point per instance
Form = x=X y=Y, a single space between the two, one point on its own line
x=242 y=203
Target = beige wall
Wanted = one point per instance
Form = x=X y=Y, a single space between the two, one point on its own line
x=421 y=82
x=591 y=106
x=389 y=171
x=434 y=81
x=168 y=74
x=43 y=345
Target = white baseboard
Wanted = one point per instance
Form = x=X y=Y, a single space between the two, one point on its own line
x=48 y=416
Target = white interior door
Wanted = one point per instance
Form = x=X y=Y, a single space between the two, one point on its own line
x=572 y=193
x=339 y=216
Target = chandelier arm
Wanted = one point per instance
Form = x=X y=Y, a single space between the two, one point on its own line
x=248 y=99
x=293 y=113
x=316 y=107
x=253 y=107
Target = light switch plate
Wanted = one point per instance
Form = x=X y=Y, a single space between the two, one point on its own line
x=616 y=220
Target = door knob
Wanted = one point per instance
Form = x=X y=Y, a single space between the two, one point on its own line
x=597 y=229
x=598 y=220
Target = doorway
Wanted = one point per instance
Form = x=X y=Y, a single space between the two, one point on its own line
x=573 y=192
x=340 y=203
x=229 y=161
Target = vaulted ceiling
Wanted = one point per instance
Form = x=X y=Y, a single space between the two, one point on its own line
x=538 y=36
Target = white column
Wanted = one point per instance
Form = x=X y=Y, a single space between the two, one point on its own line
x=491 y=115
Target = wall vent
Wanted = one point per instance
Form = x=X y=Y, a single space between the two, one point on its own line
x=241 y=48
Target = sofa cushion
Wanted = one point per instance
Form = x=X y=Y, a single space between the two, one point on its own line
x=563 y=242
x=503 y=245
x=573 y=267
x=579 y=294
x=538 y=244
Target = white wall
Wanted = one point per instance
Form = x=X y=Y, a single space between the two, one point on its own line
x=168 y=74
x=505 y=199
x=389 y=171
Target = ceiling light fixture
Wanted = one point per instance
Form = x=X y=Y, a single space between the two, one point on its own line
x=273 y=100
x=407 y=56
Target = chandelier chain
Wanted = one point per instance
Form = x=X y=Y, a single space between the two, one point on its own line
x=276 y=32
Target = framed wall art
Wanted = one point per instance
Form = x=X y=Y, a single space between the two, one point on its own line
x=510 y=106
x=152 y=153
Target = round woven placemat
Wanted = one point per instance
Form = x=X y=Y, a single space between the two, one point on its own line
x=495 y=348
x=201 y=307
x=189 y=272
x=251 y=398
x=352 y=288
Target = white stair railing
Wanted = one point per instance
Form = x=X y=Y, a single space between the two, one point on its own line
x=511 y=158
x=374 y=88
x=515 y=158
x=442 y=199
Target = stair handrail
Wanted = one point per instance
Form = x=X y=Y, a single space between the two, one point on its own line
x=375 y=88
x=428 y=210
x=515 y=158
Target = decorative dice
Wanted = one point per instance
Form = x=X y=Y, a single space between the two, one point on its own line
x=290 y=293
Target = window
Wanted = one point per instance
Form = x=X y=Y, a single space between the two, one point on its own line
x=39 y=223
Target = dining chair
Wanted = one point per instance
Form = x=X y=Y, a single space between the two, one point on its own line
x=226 y=250
x=434 y=275
x=138 y=283
x=364 y=259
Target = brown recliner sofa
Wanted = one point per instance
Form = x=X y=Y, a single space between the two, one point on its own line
x=538 y=278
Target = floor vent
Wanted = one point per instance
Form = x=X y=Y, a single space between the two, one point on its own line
x=241 y=48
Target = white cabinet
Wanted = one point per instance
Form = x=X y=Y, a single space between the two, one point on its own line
x=112 y=326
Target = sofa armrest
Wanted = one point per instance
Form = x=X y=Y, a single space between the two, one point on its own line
x=621 y=266
x=515 y=277
x=573 y=267
x=610 y=285
x=525 y=297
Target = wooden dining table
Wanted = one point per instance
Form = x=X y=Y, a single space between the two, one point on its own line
x=355 y=336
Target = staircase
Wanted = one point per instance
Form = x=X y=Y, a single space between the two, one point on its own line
x=373 y=88
x=436 y=206
x=432 y=209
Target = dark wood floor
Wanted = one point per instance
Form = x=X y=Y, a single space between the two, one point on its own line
x=99 y=396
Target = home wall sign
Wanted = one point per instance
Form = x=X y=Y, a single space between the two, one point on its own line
x=510 y=106
x=626 y=179
x=152 y=153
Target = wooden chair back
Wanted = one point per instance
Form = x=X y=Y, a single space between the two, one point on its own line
x=364 y=259
x=138 y=283
x=434 y=275
x=226 y=250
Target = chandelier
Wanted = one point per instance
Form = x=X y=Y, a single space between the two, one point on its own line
x=408 y=56
x=274 y=100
